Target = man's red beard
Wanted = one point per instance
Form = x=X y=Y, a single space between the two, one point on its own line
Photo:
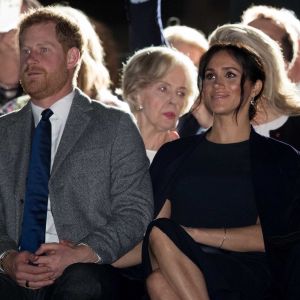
x=43 y=84
x=32 y=84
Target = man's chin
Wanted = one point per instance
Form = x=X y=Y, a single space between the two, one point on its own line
x=33 y=89
x=36 y=94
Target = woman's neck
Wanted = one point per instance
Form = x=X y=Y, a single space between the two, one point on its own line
x=153 y=139
x=152 y=136
x=229 y=130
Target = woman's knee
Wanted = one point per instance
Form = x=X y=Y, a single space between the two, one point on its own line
x=155 y=282
x=157 y=236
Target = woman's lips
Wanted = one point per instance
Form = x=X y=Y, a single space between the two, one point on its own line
x=169 y=115
x=220 y=96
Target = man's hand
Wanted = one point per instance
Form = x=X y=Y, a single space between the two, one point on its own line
x=58 y=256
x=21 y=266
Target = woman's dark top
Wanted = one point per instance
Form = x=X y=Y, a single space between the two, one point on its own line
x=287 y=133
x=215 y=188
x=275 y=174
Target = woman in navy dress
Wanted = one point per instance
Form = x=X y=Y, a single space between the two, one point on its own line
x=215 y=209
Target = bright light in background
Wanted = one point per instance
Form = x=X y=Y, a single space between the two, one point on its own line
x=9 y=14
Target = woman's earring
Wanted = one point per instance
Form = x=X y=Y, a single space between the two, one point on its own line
x=139 y=107
x=252 y=102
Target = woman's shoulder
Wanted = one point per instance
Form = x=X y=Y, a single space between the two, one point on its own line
x=172 y=153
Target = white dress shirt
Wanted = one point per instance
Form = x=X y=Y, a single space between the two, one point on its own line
x=61 y=109
x=151 y=154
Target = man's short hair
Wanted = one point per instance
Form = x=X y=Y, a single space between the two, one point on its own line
x=67 y=31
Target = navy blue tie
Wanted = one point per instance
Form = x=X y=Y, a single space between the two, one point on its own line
x=36 y=197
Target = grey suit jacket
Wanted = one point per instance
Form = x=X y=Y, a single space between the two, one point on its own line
x=100 y=189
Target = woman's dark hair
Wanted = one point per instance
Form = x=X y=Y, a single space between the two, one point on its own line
x=249 y=61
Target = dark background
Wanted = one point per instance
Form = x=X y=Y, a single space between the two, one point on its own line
x=202 y=14
x=205 y=15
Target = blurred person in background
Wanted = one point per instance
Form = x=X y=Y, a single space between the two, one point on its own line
x=146 y=29
x=294 y=72
x=93 y=77
x=9 y=59
x=111 y=49
x=269 y=20
x=187 y=40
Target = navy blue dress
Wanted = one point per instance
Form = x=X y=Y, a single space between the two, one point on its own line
x=222 y=173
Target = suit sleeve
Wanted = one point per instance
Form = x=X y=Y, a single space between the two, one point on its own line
x=130 y=193
x=6 y=213
x=6 y=243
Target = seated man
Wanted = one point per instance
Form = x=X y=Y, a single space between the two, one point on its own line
x=75 y=192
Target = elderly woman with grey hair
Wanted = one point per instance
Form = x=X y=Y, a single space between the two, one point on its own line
x=159 y=85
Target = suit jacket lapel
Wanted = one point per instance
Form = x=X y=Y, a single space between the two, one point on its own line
x=76 y=124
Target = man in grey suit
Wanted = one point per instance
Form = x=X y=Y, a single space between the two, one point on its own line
x=100 y=198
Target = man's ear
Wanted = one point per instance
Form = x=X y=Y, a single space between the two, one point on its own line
x=73 y=57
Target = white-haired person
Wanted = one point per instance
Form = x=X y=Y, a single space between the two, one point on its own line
x=188 y=40
x=159 y=84
x=294 y=72
x=272 y=22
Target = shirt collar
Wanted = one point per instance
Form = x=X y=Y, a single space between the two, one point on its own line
x=60 y=109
